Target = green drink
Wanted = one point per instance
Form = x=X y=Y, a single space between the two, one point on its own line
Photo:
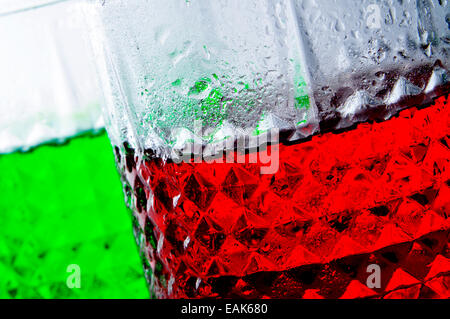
x=64 y=229
x=62 y=205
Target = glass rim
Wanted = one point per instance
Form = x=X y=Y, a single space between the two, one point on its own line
x=14 y=7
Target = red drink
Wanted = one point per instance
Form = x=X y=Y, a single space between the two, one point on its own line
x=377 y=194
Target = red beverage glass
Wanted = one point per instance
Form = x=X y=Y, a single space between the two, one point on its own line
x=259 y=162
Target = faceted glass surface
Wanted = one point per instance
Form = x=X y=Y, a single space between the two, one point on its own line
x=379 y=194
